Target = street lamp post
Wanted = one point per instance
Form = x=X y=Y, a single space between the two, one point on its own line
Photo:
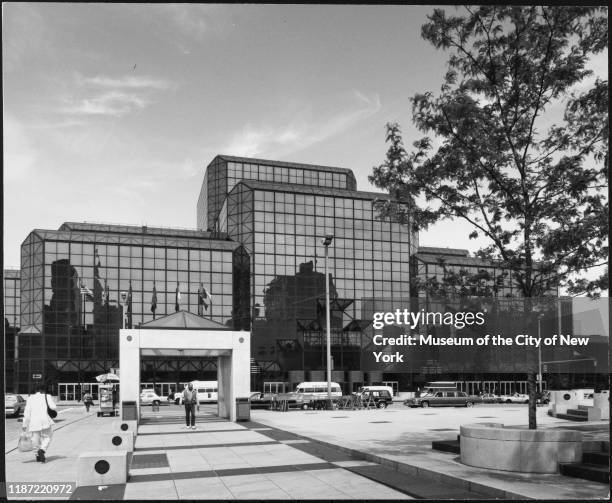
x=326 y=242
x=540 y=316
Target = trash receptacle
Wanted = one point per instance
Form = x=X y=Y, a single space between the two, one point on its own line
x=243 y=409
x=129 y=411
x=155 y=407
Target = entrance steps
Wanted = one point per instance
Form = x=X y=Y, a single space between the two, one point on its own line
x=579 y=414
x=447 y=445
x=595 y=466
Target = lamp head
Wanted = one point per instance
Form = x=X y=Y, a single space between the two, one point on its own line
x=327 y=240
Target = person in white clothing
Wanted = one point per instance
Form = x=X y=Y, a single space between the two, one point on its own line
x=37 y=421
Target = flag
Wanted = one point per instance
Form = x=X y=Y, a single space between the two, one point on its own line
x=201 y=300
x=87 y=292
x=204 y=299
x=129 y=306
x=105 y=293
x=177 y=299
x=97 y=265
x=154 y=301
x=129 y=299
x=207 y=297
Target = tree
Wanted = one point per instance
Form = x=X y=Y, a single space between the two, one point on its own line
x=535 y=185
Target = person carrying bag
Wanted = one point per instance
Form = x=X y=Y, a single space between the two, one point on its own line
x=190 y=400
x=38 y=421
x=25 y=443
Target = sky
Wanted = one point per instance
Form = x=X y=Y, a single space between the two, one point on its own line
x=113 y=111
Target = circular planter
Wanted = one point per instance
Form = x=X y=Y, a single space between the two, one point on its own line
x=490 y=445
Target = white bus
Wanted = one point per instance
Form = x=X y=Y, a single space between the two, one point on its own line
x=208 y=391
x=319 y=389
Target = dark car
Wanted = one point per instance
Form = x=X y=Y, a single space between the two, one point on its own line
x=260 y=400
x=543 y=397
x=442 y=399
x=380 y=398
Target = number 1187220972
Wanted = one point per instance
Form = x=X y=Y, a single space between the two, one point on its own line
x=39 y=489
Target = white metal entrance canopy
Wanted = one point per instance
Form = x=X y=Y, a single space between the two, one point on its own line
x=189 y=339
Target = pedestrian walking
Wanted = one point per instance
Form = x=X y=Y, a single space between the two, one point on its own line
x=36 y=420
x=87 y=400
x=190 y=400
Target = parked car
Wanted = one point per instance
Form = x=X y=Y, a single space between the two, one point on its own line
x=381 y=397
x=14 y=405
x=260 y=400
x=443 y=398
x=302 y=401
x=149 y=397
x=489 y=398
x=543 y=397
x=515 y=398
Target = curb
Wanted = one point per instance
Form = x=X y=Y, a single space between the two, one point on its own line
x=402 y=467
x=54 y=430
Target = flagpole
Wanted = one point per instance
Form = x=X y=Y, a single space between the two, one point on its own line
x=81 y=340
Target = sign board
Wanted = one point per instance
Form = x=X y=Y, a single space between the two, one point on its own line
x=36 y=376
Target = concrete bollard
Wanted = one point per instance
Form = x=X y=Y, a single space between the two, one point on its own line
x=117 y=441
x=594 y=414
x=601 y=400
x=125 y=426
x=102 y=468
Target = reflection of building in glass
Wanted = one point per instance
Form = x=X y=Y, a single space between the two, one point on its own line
x=72 y=278
x=12 y=301
x=279 y=212
x=450 y=272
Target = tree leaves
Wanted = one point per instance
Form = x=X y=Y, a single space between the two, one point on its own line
x=537 y=191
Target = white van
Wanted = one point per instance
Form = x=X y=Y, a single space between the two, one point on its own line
x=363 y=389
x=318 y=389
x=208 y=392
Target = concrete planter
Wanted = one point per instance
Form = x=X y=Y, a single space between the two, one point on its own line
x=490 y=445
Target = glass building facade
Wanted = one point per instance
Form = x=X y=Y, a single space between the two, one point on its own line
x=258 y=252
x=224 y=172
x=71 y=281
x=11 y=280
x=279 y=212
x=450 y=272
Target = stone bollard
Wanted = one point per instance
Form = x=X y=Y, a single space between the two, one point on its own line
x=102 y=468
x=125 y=426
x=118 y=441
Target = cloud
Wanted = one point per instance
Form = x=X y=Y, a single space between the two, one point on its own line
x=20 y=158
x=302 y=130
x=113 y=96
x=111 y=103
x=125 y=82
